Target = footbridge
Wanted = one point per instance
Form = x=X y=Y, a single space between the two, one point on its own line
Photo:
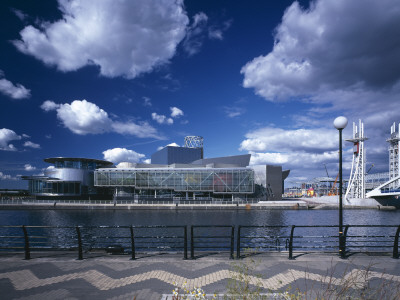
x=387 y=193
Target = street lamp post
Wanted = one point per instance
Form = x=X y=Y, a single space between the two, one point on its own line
x=340 y=123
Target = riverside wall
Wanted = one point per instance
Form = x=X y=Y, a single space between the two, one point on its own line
x=309 y=203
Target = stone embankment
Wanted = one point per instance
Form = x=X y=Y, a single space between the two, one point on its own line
x=160 y=206
x=298 y=204
x=332 y=202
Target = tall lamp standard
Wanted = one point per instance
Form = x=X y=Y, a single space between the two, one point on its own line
x=340 y=123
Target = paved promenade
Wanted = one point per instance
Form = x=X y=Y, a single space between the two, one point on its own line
x=102 y=276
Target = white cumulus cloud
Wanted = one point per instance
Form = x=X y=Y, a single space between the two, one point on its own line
x=176 y=112
x=161 y=119
x=84 y=117
x=6 y=136
x=49 y=105
x=329 y=47
x=118 y=155
x=29 y=167
x=7 y=177
x=294 y=159
x=303 y=151
x=278 y=139
x=326 y=55
x=122 y=38
x=31 y=145
x=14 y=91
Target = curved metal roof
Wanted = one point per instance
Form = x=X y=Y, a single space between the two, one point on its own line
x=53 y=160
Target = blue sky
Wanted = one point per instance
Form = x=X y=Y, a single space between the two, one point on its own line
x=117 y=80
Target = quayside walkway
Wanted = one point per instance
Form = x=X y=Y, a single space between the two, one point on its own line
x=60 y=275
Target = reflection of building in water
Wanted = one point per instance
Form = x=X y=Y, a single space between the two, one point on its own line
x=267 y=236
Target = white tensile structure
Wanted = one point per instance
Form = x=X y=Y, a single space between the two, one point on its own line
x=194 y=142
x=389 y=191
x=394 y=157
x=356 y=186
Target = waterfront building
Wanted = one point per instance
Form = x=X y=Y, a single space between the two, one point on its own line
x=176 y=155
x=192 y=151
x=228 y=176
x=275 y=179
x=68 y=178
x=174 y=172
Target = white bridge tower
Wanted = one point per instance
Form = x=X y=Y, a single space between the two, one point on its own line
x=394 y=158
x=356 y=185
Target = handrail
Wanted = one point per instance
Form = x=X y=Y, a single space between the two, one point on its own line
x=80 y=252
x=27 y=249
x=129 y=239
x=396 y=244
x=132 y=243
x=290 y=241
x=213 y=241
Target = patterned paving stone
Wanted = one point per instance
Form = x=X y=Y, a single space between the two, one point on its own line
x=118 y=278
x=54 y=294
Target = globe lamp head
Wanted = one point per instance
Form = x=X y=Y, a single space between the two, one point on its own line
x=340 y=122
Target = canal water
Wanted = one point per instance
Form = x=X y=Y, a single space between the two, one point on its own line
x=197 y=217
x=275 y=233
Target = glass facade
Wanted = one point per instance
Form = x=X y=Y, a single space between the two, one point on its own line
x=228 y=181
x=87 y=165
x=40 y=186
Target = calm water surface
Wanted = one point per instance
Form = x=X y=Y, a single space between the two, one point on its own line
x=197 y=217
x=98 y=237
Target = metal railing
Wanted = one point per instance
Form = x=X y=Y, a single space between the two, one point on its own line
x=131 y=240
x=144 y=200
x=201 y=240
x=112 y=239
x=318 y=238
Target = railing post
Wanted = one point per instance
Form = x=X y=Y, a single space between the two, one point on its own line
x=343 y=252
x=185 y=242
x=133 y=254
x=238 y=243
x=291 y=243
x=278 y=245
x=191 y=243
x=232 y=242
x=27 y=248
x=396 y=244
x=78 y=232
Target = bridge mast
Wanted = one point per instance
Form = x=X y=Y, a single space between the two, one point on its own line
x=356 y=186
x=394 y=158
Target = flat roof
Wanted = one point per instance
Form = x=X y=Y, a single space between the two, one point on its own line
x=172 y=169
x=53 y=160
